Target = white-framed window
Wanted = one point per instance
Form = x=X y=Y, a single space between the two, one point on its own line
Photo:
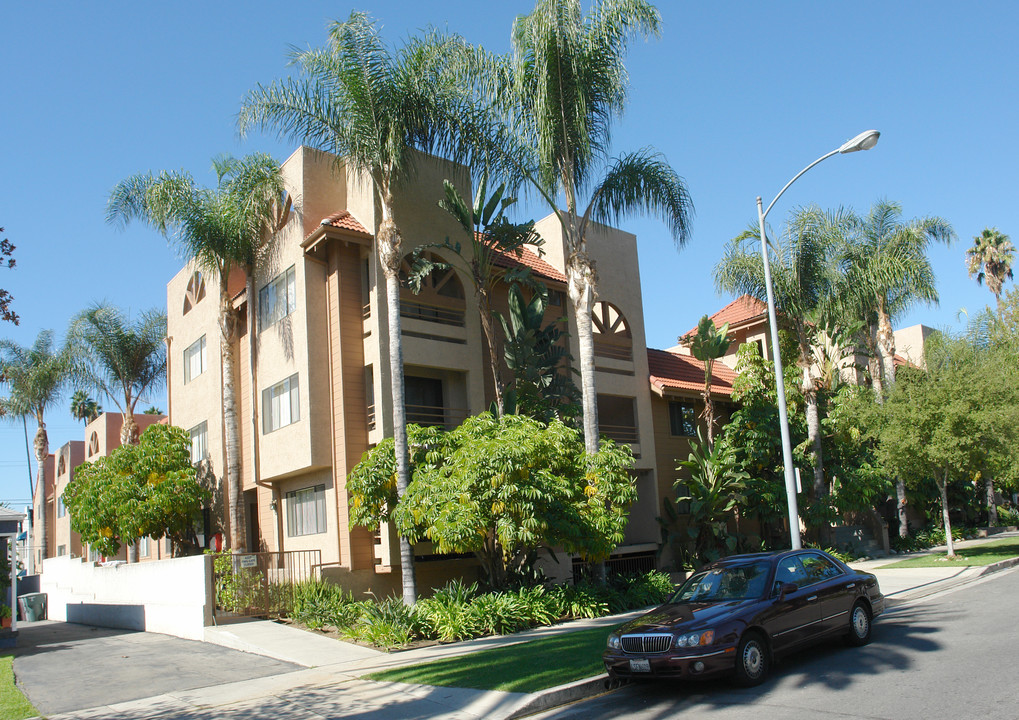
x=61 y=510
x=61 y=550
x=306 y=511
x=280 y=405
x=194 y=359
x=199 y=442
x=144 y=547
x=277 y=299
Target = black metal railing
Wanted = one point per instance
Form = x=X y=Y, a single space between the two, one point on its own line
x=262 y=584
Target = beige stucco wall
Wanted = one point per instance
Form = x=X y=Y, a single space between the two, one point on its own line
x=68 y=457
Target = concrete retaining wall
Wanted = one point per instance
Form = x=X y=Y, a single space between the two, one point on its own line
x=174 y=596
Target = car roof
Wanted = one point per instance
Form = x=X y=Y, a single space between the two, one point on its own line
x=773 y=556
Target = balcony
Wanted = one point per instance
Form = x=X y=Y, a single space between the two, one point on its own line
x=435 y=415
x=414 y=310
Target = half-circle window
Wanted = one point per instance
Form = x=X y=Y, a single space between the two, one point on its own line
x=195 y=291
x=61 y=465
x=93 y=445
x=612 y=336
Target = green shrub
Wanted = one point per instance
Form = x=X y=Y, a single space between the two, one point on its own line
x=1008 y=516
x=446 y=615
x=928 y=538
x=583 y=601
x=388 y=624
x=498 y=613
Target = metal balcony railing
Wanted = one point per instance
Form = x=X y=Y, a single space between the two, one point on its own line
x=432 y=313
x=619 y=433
x=435 y=415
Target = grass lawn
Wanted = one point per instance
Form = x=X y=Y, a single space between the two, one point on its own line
x=524 y=667
x=985 y=554
x=13 y=704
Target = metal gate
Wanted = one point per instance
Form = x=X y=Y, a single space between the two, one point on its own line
x=262 y=584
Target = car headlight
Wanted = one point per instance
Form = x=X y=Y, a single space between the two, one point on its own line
x=695 y=639
x=613 y=642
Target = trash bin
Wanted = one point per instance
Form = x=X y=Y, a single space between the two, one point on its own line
x=33 y=606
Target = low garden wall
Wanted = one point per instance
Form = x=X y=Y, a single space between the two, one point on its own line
x=173 y=596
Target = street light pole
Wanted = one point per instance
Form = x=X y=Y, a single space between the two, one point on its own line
x=863 y=141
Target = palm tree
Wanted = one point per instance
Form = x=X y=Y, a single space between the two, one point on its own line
x=373 y=109
x=886 y=266
x=217 y=229
x=805 y=284
x=990 y=259
x=707 y=345
x=84 y=408
x=118 y=358
x=887 y=259
x=562 y=87
x=35 y=377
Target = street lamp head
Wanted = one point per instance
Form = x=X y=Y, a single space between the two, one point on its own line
x=863 y=141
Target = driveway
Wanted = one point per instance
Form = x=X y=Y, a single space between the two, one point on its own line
x=64 y=667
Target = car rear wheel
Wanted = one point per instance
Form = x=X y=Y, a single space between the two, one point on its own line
x=859 y=625
x=752 y=660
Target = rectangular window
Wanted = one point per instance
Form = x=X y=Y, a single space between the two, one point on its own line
x=277 y=299
x=61 y=510
x=194 y=360
x=61 y=550
x=199 y=442
x=144 y=547
x=280 y=405
x=306 y=511
x=683 y=419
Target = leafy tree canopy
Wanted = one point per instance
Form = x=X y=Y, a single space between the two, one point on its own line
x=6 y=251
x=148 y=489
x=500 y=488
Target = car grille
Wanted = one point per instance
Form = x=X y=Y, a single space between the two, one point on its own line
x=647 y=644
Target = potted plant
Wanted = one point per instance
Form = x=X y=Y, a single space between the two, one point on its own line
x=5 y=615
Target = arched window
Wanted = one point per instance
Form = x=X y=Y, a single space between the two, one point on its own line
x=441 y=298
x=195 y=291
x=612 y=337
x=93 y=444
x=61 y=465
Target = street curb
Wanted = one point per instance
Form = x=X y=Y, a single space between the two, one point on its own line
x=560 y=695
x=1000 y=565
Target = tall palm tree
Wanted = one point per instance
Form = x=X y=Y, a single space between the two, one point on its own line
x=35 y=377
x=887 y=259
x=84 y=408
x=805 y=284
x=216 y=228
x=561 y=89
x=990 y=259
x=119 y=358
x=887 y=267
x=707 y=345
x=373 y=108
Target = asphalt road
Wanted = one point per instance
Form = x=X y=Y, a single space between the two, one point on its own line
x=64 y=666
x=947 y=657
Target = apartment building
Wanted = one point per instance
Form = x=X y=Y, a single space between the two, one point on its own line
x=316 y=396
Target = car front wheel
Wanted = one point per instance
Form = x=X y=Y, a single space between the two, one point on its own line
x=752 y=660
x=859 y=625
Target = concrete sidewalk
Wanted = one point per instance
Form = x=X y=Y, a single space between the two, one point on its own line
x=332 y=684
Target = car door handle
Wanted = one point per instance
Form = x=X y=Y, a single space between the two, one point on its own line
x=850 y=586
x=812 y=598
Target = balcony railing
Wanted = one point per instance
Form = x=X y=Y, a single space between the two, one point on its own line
x=619 y=433
x=431 y=313
x=366 y=311
x=435 y=415
x=612 y=350
x=371 y=417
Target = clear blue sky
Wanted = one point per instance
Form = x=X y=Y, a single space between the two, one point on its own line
x=738 y=95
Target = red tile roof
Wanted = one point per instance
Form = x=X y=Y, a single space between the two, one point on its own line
x=527 y=258
x=344 y=221
x=672 y=371
x=741 y=310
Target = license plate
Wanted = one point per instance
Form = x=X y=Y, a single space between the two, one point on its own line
x=640 y=666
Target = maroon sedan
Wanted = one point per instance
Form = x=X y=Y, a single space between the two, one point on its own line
x=737 y=614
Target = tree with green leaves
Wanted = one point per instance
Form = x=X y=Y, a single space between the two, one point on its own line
x=6 y=251
x=375 y=109
x=559 y=92
x=990 y=259
x=805 y=282
x=218 y=229
x=501 y=488
x=707 y=345
x=35 y=377
x=84 y=408
x=537 y=355
x=145 y=490
x=120 y=358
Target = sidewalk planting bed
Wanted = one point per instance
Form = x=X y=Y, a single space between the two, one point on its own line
x=974 y=555
x=524 y=667
x=13 y=704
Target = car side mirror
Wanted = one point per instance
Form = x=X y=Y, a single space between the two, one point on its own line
x=786 y=589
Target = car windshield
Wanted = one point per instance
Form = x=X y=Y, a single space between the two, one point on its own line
x=737 y=582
